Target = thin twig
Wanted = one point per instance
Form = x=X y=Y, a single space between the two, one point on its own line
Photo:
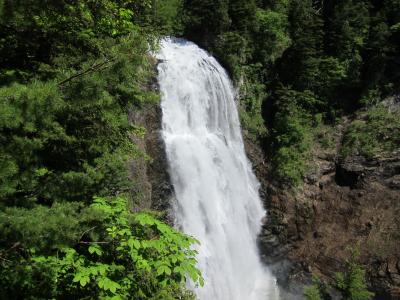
x=94 y=67
x=12 y=247
x=86 y=232
x=88 y=243
x=5 y=259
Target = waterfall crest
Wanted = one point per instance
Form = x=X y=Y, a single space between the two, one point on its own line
x=216 y=191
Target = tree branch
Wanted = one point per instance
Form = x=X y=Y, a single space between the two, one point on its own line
x=93 y=68
x=88 y=243
x=90 y=229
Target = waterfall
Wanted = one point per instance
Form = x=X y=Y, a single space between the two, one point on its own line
x=216 y=191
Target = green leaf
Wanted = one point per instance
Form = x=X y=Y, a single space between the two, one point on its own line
x=84 y=280
x=163 y=269
x=114 y=286
x=77 y=277
x=133 y=243
x=106 y=283
x=95 y=249
x=201 y=281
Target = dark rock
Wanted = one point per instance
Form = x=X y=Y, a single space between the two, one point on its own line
x=312 y=178
x=306 y=267
x=347 y=175
x=317 y=235
x=369 y=224
x=151 y=174
x=393 y=182
x=382 y=273
x=395 y=278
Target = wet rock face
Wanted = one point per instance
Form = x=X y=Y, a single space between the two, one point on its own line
x=151 y=170
x=342 y=203
x=150 y=177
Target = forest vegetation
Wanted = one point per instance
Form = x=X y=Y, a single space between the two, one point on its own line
x=302 y=64
x=70 y=72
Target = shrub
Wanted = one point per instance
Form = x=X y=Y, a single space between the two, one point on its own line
x=292 y=135
x=123 y=255
x=378 y=132
x=350 y=283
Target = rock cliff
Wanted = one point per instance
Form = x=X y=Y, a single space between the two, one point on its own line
x=342 y=203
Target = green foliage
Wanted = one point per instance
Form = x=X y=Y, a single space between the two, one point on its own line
x=124 y=256
x=324 y=134
x=71 y=142
x=167 y=16
x=63 y=225
x=252 y=96
x=232 y=49
x=292 y=135
x=371 y=97
x=250 y=115
x=205 y=19
x=377 y=133
x=350 y=283
x=31 y=29
x=331 y=74
x=312 y=293
x=271 y=34
x=317 y=291
x=242 y=14
x=350 y=29
x=70 y=73
x=336 y=55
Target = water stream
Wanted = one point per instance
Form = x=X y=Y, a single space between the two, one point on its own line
x=216 y=191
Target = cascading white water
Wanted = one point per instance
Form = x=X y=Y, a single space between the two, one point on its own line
x=216 y=191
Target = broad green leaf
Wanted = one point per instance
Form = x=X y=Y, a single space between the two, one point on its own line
x=163 y=269
x=95 y=249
